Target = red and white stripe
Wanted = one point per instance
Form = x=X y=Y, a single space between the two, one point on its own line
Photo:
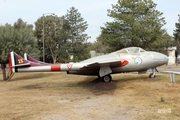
x=50 y=68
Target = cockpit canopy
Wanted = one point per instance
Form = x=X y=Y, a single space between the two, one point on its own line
x=131 y=50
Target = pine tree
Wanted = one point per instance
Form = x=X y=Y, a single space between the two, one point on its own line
x=78 y=39
x=136 y=23
x=177 y=34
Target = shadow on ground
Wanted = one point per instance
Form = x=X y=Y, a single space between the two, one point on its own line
x=30 y=76
x=97 y=87
x=92 y=84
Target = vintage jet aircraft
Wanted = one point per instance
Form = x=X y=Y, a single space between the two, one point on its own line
x=132 y=59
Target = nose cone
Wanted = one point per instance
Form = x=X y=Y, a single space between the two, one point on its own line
x=165 y=59
x=160 y=58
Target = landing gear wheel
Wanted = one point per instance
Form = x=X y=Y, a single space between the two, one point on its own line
x=152 y=75
x=107 y=78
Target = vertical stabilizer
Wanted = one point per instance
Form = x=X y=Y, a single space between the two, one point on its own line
x=16 y=60
x=11 y=62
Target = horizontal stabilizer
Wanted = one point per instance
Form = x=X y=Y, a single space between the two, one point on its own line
x=19 y=64
x=30 y=58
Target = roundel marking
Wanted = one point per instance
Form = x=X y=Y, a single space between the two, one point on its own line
x=138 y=60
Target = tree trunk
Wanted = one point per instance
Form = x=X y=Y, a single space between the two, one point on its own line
x=54 y=59
x=3 y=67
x=6 y=76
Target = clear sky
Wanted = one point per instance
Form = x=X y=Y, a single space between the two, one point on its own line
x=93 y=11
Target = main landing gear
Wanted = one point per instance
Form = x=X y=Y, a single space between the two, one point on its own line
x=107 y=78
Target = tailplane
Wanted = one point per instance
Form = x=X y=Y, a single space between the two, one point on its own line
x=17 y=63
x=30 y=58
x=16 y=60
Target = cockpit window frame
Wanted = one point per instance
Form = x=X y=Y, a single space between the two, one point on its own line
x=131 y=50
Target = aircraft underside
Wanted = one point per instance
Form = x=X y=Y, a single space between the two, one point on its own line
x=108 y=78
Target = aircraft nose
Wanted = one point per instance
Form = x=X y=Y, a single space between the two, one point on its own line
x=161 y=58
x=167 y=59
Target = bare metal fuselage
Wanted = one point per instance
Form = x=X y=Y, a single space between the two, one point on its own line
x=132 y=59
x=137 y=62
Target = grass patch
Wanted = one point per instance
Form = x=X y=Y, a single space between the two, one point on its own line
x=37 y=95
x=162 y=99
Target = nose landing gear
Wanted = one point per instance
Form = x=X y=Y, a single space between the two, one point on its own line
x=153 y=74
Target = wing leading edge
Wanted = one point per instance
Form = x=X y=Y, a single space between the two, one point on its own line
x=111 y=64
x=105 y=66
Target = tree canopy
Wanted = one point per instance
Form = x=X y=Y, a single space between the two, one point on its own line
x=177 y=34
x=78 y=39
x=18 y=38
x=55 y=37
x=136 y=23
x=63 y=37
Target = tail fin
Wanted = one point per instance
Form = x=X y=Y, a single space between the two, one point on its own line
x=29 y=58
x=16 y=60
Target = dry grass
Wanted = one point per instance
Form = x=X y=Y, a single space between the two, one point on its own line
x=170 y=66
x=57 y=96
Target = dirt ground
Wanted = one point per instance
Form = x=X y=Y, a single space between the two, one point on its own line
x=57 y=96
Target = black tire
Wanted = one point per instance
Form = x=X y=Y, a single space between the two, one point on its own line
x=151 y=75
x=107 y=78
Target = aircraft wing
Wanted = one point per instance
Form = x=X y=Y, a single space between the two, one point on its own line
x=173 y=72
x=109 y=63
x=172 y=76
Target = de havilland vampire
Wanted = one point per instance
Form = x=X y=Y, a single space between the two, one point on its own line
x=132 y=59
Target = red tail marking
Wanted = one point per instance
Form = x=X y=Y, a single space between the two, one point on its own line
x=55 y=67
x=124 y=62
x=10 y=62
